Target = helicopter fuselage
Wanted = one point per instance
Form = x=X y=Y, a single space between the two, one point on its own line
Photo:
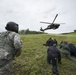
x=53 y=26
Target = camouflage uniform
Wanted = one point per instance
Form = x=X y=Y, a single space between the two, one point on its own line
x=11 y=44
x=66 y=50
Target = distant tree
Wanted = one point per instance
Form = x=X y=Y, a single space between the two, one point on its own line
x=22 y=31
x=27 y=31
x=74 y=30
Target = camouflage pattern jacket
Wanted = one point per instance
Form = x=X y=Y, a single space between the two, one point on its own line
x=10 y=42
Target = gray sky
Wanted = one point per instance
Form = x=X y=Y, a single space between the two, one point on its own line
x=29 y=13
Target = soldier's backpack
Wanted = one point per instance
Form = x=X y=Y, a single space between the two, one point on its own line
x=3 y=53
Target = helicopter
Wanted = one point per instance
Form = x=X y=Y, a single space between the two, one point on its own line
x=52 y=25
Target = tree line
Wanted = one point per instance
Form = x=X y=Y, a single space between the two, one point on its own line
x=27 y=31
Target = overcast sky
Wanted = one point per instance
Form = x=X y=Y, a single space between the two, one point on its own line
x=29 y=13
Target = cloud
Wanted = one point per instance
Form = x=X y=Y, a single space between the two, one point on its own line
x=29 y=13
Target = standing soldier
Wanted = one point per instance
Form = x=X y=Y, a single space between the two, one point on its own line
x=10 y=46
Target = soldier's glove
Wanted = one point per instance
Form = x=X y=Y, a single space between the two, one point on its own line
x=44 y=45
x=18 y=53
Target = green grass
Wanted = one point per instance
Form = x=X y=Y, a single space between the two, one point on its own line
x=33 y=58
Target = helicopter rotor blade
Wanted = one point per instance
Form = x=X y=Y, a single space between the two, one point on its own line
x=46 y=22
x=51 y=23
x=62 y=23
x=58 y=23
x=55 y=18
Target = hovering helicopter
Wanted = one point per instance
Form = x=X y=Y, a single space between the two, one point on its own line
x=52 y=25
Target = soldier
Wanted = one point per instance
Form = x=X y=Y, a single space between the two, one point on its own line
x=65 y=49
x=55 y=41
x=53 y=55
x=49 y=42
x=10 y=46
x=72 y=49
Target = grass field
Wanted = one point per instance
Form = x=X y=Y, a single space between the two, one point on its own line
x=33 y=58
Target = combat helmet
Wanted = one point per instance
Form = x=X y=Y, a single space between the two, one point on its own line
x=12 y=26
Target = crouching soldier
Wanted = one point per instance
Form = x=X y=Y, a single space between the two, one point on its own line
x=65 y=49
x=53 y=55
x=72 y=49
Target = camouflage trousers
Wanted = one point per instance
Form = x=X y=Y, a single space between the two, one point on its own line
x=7 y=69
x=67 y=53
